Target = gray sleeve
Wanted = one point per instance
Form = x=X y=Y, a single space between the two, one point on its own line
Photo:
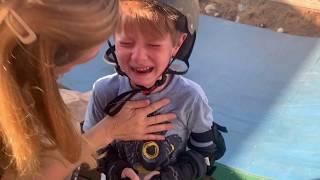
x=201 y=137
x=201 y=116
x=95 y=109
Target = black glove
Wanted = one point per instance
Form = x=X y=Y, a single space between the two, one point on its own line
x=190 y=165
x=113 y=170
x=155 y=154
x=111 y=165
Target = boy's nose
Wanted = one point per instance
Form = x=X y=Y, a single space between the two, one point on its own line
x=139 y=54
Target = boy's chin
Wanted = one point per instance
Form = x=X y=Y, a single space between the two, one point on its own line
x=146 y=85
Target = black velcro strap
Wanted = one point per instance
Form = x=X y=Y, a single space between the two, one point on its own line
x=220 y=128
x=202 y=137
x=211 y=170
x=110 y=55
x=204 y=151
x=114 y=170
x=196 y=160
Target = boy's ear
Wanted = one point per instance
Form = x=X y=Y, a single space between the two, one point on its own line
x=181 y=39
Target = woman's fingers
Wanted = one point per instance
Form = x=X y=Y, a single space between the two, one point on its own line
x=133 y=123
x=154 y=137
x=162 y=118
x=136 y=104
x=155 y=106
x=159 y=128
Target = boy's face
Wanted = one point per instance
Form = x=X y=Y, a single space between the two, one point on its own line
x=142 y=57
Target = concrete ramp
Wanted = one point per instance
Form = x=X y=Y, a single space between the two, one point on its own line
x=264 y=86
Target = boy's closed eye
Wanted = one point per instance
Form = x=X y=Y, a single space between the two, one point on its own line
x=154 y=45
x=126 y=43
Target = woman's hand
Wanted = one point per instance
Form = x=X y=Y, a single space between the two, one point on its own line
x=129 y=173
x=132 y=123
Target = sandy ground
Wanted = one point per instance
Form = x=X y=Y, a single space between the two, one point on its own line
x=266 y=14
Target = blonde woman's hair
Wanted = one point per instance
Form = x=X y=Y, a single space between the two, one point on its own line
x=33 y=116
x=155 y=19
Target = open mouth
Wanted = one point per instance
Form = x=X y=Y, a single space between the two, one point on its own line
x=142 y=70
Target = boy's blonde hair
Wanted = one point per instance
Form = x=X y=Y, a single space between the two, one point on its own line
x=152 y=18
x=33 y=116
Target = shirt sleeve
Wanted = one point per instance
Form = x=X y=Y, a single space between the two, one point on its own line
x=201 y=116
x=201 y=137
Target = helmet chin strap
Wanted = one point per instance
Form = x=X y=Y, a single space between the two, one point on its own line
x=157 y=84
x=116 y=104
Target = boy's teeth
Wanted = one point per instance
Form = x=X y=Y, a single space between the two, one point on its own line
x=143 y=69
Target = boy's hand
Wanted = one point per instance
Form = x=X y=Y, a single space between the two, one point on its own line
x=150 y=175
x=129 y=173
